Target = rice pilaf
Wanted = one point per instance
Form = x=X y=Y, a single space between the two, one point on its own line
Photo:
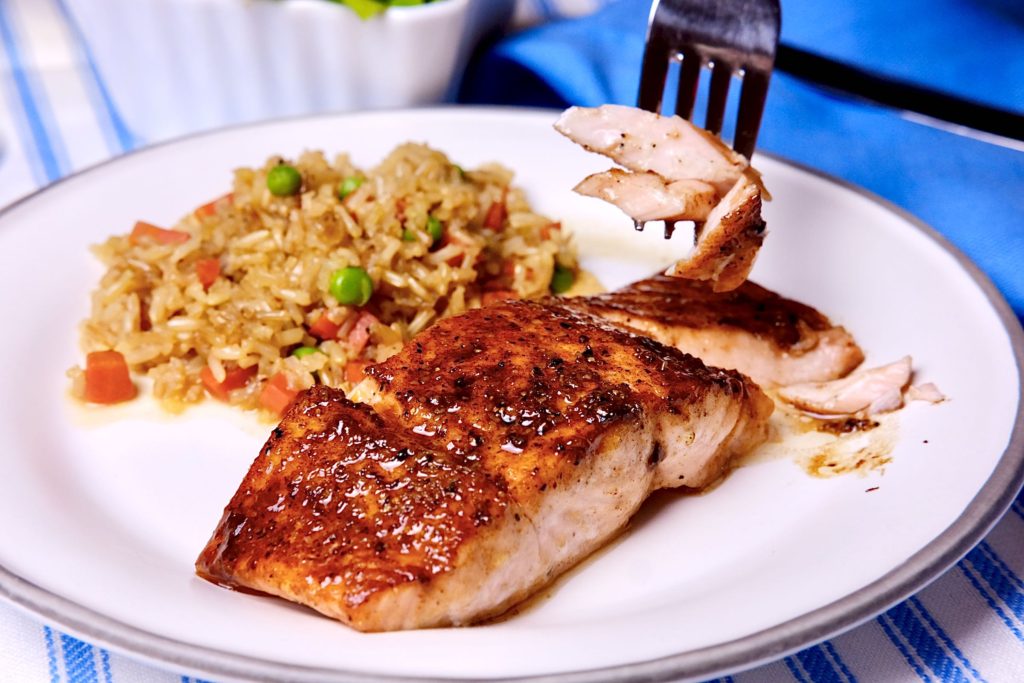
x=241 y=294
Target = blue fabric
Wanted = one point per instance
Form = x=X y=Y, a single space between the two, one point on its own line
x=971 y=47
x=971 y=191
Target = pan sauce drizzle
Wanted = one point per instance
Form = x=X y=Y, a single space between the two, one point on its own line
x=827 y=448
x=670 y=226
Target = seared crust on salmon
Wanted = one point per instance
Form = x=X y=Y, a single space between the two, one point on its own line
x=349 y=515
x=771 y=339
x=502 y=447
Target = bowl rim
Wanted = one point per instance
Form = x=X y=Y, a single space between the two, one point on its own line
x=391 y=14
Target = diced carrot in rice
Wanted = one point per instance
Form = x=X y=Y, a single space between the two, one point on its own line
x=107 y=379
x=550 y=229
x=277 y=394
x=147 y=232
x=235 y=379
x=208 y=270
x=354 y=371
x=495 y=218
x=210 y=208
x=324 y=328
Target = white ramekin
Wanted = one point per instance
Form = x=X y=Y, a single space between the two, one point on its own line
x=176 y=66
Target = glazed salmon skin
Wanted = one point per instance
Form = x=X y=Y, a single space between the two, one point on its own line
x=774 y=340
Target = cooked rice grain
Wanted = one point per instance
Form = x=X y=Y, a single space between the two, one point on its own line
x=276 y=258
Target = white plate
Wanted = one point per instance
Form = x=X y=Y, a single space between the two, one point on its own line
x=104 y=518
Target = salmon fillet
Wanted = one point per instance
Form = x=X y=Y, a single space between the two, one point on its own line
x=502 y=447
x=771 y=339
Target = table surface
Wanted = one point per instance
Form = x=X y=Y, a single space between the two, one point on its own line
x=967 y=625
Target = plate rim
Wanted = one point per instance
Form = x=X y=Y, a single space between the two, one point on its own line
x=938 y=555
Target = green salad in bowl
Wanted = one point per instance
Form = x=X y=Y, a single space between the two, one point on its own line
x=168 y=76
x=368 y=8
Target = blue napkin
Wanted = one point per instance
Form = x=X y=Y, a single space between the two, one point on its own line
x=971 y=191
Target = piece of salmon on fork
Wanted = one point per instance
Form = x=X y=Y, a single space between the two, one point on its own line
x=674 y=171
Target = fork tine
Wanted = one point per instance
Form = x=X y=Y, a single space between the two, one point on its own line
x=689 y=76
x=748 y=120
x=733 y=37
x=653 y=74
x=721 y=76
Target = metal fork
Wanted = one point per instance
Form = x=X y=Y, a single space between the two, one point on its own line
x=730 y=37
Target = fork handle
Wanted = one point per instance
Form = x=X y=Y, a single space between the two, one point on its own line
x=852 y=81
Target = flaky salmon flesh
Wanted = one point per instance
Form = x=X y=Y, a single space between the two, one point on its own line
x=771 y=339
x=501 y=448
x=674 y=171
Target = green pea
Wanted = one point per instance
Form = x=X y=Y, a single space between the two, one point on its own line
x=562 y=279
x=349 y=185
x=351 y=286
x=284 y=180
x=434 y=229
x=304 y=351
x=408 y=236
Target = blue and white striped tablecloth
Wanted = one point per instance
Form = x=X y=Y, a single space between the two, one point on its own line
x=56 y=116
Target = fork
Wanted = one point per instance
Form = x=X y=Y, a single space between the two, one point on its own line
x=731 y=38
